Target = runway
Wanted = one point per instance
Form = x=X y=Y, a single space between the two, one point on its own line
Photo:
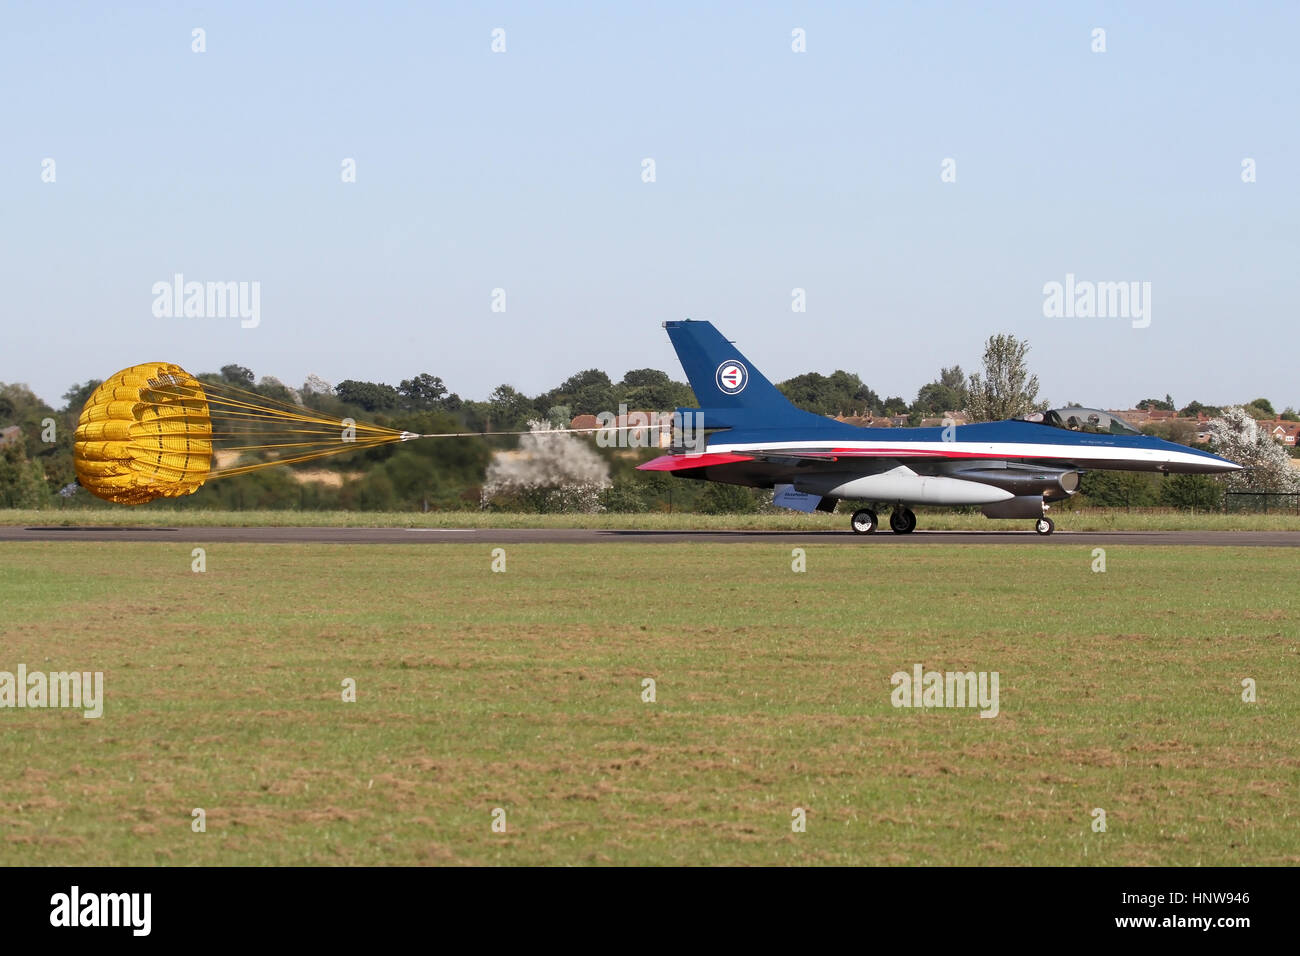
x=491 y=536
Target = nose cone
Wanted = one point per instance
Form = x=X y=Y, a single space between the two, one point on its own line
x=1183 y=459
x=1210 y=464
x=1217 y=465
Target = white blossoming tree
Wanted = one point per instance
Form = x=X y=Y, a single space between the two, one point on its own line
x=550 y=471
x=1238 y=437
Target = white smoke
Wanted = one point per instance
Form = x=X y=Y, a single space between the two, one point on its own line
x=551 y=470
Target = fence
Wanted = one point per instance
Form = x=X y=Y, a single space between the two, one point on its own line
x=1267 y=502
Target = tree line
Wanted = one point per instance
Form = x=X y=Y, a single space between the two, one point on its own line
x=37 y=469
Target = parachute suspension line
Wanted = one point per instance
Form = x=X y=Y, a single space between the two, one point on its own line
x=246 y=424
x=342 y=448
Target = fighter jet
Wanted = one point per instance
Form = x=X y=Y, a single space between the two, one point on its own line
x=754 y=436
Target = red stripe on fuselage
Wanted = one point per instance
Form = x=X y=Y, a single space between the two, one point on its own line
x=683 y=462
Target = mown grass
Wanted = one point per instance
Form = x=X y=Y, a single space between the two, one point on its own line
x=1092 y=519
x=523 y=691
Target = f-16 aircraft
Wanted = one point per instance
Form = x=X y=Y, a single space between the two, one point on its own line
x=755 y=437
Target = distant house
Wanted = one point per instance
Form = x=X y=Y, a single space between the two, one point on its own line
x=1137 y=417
x=948 y=418
x=1283 y=432
x=867 y=421
x=635 y=429
x=900 y=421
x=11 y=435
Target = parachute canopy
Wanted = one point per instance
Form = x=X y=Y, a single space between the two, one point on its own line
x=155 y=431
x=145 y=433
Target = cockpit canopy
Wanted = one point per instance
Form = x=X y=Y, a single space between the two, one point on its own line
x=1077 y=419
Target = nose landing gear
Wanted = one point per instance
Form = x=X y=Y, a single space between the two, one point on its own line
x=1044 y=526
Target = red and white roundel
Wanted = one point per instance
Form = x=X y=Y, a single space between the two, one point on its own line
x=732 y=377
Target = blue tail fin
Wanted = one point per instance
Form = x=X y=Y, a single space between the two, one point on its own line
x=731 y=391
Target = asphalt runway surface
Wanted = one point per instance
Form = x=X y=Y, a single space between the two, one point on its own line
x=919 y=538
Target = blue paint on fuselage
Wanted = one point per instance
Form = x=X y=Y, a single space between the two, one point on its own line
x=1012 y=432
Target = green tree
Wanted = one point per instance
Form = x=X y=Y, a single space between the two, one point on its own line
x=510 y=409
x=372 y=396
x=840 y=392
x=75 y=397
x=721 y=499
x=947 y=393
x=272 y=387
x=588 y=393
x=1191 y=492
x=1120 y=489
x=1005 y=388
x=238 y=376
x=895 y=405
x=423 y=392
x=1192 y=409
x=559 y=416
x=624 y=496
x=1174 y=430
x=649 y=389
x=1261 y=409
x=22 y=483
x=1148 y=403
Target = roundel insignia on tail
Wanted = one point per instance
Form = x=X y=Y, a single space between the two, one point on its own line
x=732 y=376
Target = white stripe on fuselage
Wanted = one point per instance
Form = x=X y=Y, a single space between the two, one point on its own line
x=1134 y=458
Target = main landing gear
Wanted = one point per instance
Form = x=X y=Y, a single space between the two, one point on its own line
x=901 y=521
x=864 y=521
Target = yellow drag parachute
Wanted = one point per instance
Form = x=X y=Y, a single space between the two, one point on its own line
x=154 y=431
x=145 y=433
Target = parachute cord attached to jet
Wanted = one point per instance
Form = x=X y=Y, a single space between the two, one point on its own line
x=155 y=431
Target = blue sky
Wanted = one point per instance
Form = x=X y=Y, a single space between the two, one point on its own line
x=775 y=170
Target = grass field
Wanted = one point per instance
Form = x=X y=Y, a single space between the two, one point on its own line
x=523 y=691
x=1092 y=519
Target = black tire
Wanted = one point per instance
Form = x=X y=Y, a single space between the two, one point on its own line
x=864 y=521
x=902 y=521
x=1044 y=525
